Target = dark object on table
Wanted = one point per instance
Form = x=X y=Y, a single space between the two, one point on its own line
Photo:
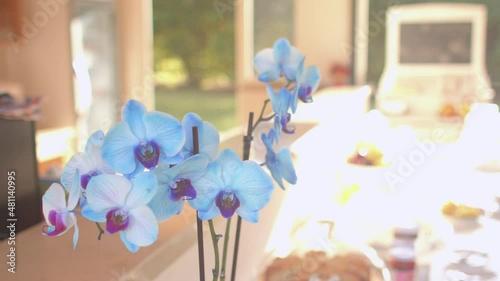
x=18 y=150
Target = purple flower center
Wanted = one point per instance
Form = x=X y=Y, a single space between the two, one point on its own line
x=182 y=188
x=116 y=220
x=57 y=227
x=305 y=94
x=148 y=153
x=84 y=179
x=284 y=120
x=227 y=202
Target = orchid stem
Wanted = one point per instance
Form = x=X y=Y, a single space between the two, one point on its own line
x=247 y=142
x=101 y=232
x=260 y=117
x=199 y=223
x=215 y=239
x=224 y=251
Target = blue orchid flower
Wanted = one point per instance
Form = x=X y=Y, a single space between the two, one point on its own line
x=208 y=137
x=175 y=185
x=280 y=165
x=58 y=215
x=307 y=83
x=122 y=204
x=141 y=139
x=281 y=102
x=231 y=185
x=281 y=60
x=88 y=164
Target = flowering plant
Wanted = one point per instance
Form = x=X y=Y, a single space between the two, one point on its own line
x=147 y=165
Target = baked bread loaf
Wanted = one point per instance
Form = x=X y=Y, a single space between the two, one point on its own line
x=343 y=267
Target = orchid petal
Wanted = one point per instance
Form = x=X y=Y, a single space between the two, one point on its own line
x=290 y=72
x=207 y=187
x=192 y=168
x=166 y=131
x=312 y=77
x=264 y=60
x=273 y=97
x=76 y=233
x=274 y=168
x=299 y=73
x=143 y=227
x=268 y=139
x=286 y=165
x=131 y=247
x=250 y=216
x=76 y=190
x=295 y=57
x=132 y=113
x=94 y=142
x=253 y=186
x=281 y=50
x=92 y=215
x=208 y=136
x=272 y=74
x=209 y=213
x=118 y=148
x=68 y=174
x=144 y=187
x=53 y=199
x=105 y=192
x=162 y=206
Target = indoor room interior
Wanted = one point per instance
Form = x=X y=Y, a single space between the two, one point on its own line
x=397 y=155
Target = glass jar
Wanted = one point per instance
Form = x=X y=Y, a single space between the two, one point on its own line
x=402 y=263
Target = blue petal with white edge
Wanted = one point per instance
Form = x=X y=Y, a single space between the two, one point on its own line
x=166 y=131
x=107 y=191
x=53 y=199
x=118 y=149
x=281 y=50
x=92 y=215
x=132 y=113
x=253 y=186
x=162 y=206
x=144 y=187
x=264 y=60
x=286 y=165
x=143 y=227
x=76 y=233
x=131 y=247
